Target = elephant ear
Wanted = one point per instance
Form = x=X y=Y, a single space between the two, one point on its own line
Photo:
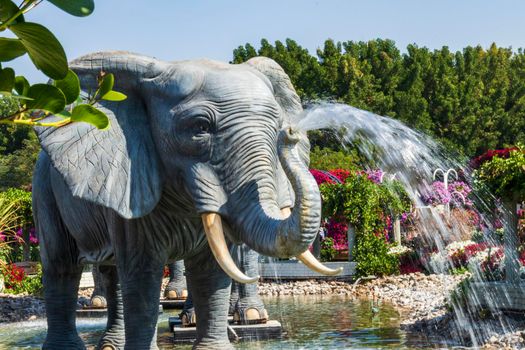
x=284 y=91
x=119 y=167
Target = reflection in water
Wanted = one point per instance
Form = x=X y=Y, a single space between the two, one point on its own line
x=310 y=322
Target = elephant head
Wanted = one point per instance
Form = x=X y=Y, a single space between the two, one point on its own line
x=211 y=132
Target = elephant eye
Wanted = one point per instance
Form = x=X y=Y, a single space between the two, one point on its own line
x=201 y=126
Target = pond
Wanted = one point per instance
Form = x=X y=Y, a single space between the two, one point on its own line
x=310 y=322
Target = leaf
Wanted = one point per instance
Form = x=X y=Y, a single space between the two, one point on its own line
x=114 y=96
x=7 y=79
x=21 y=85
x=11 y=49
x=7 y=10
x=44 y=49
x=89 y=114
x=70 y=86
x=46 y=97
x=64 y=114
x=106 y=85
x=79 y=8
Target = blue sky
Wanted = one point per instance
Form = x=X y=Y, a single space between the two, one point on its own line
x=176 y=29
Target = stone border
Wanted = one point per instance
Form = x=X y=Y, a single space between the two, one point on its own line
x=294 y=269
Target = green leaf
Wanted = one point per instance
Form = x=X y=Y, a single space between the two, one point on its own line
x=70 y=86
x=20 y=97
x=79 y=8
x=7 y=10
x=89 y=114
x=21 y=85
x=11 y=49
x=44 y=49
x=7 y=79
x=64 y=114
x=46 y=97
x=106 y=85
x=114 y=96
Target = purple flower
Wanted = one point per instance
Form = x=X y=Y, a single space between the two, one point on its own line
x=437 y=194
x=375 y=176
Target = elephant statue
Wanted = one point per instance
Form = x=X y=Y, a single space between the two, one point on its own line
x=245 y=305
x=198 y=157
x=176 y=288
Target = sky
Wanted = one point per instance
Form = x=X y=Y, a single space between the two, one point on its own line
x=176 y=29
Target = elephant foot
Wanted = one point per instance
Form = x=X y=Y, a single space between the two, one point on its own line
x=111 y=341
x=188 y=318
x=250 y=315
x=98 y=302
x=108 y=347
x=212 y=345
x=180 y=294
x=64 y=343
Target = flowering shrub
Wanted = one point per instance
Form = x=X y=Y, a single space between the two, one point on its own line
x=16 y=281
x=376 y=176
x=341 y=174
x=328 y=249
x=504 y=174
x=25 y=232
x=456 y=193
x=13 y=276
x=491 y=153
x=368 y=207
x=337 y=230
x=320 y=176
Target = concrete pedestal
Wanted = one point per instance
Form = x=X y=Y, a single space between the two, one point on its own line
x=269 y=330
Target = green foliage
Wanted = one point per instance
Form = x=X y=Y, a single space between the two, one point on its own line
x=365 y=205
x=328 y=159
x=43 y=48
x=471 y=100
x=327 y=249
x=47 y=54
x=505 y=177
x=22 y=201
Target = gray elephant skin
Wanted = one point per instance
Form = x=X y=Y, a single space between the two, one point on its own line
x=199 y=156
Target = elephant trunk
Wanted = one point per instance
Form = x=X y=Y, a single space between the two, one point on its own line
x=266 y=231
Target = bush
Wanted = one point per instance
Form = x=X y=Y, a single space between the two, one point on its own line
x=367 y=206
x=17 y=282
x=24 y=231
x=328 y=159
x=504 y=174
x=327 y=249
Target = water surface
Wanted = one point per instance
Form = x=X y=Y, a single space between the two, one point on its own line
x=310 y=322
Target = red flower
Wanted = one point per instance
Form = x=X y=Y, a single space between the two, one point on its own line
x=491 y=153
x=320 y=177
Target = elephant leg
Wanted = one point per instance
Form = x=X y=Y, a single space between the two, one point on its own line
x=98 y=297
x=234 y=296
x=114 y=336
x=209 y=287
x=176 y=288
x=249 y=307
x=187 y=316
x=61 y=273
x=140 y=278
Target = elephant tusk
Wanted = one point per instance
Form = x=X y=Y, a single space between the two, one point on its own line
x=286 y=212
x=313 y=264
x=308 y=259
x=215 y=235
